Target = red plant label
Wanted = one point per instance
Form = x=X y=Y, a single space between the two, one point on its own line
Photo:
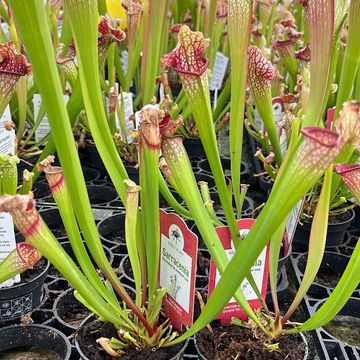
x=178 y=254
x=259 y=271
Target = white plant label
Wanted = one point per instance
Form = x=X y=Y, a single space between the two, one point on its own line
x=7 y=244
x=129 y=110
x=7 y=138
x=44 y=126
x=219 y=70
x=175 y=267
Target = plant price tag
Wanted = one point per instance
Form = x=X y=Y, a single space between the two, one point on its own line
x=219 y=70
x=259 y=271
x=7 y=244
x=7 y=137
x=178 y=256
x=44 y=126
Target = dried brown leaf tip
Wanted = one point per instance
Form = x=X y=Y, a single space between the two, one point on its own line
x=168 y=126
x=149 y=132
x=11 y=61
x=221 y=9
x=189 y=55
x=108 y=34
x=132 y=7
x=304 y=54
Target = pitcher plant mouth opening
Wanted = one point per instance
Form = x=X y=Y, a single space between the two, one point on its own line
x=189 y=55
x=325 y=137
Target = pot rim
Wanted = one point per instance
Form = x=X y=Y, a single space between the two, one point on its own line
x=20 y=284
x=316 y=306
x=201 y=356
x=48 y=328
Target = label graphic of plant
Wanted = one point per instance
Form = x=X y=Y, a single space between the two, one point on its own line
x=174 y=287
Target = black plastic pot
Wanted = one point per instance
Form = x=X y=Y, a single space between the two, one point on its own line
x=69 y=312
x=94 y=159
x=21 y=298
x=41 y=190
x=332 y=267
x=152 y=356
x=356 y=221
x=67 y=247
x=348 y=316
x=26 y=163
x=100 y=194
x=207 y=178
x=112 y=231
x=133 y=173
x=90 y=174
x=201 y=355
x=194 y=147
x=226 y=165
x=247 y=209
x=335 y=232
x=34 y=336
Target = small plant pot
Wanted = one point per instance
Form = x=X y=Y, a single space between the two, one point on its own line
x=67 y=247
x=100 y=195
x=91 y=174
x=69 y=312
x=127 y=276
x=112 y=231
x=25 y=296
x=331 y=269
x=91 y=330
x=26 y=163
x=236 y=342
x=247 y=209
x=335 y=232
x=194 y=147
x=41 y=341
x=345 y=327
x=94 y=159
x=226 y=165
x=356 y=221
x=41 y=190
x=133 y=173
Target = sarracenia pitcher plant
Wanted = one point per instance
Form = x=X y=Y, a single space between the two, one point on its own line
x=311 y=154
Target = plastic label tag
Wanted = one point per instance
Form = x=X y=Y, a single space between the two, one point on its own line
x=259 y=270
x=7 y=244
x=7 y=137
x=177 y=269
x=44 y=126
x=219 y=70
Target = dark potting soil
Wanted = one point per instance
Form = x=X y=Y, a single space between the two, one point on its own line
x=88 y=334
x=233 y=342
x=31 y=274
x=73 y=311
x=29 y=353
x=328 y=277
x=345 y=328
x=340 y=218
x=126 y=268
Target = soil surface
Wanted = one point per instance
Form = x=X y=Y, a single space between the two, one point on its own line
x=29 y=353
x=72 y=311
x=337 y=219
x=31 y=274
x=87 y=336
x=233 y=342
x=328 y=277
x=345 y=328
